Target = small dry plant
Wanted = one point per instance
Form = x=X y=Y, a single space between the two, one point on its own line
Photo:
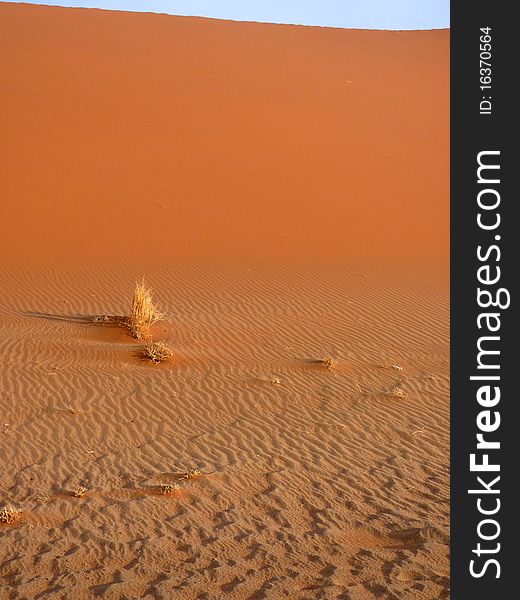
x=397 y=392
x=101 y=319
x=192 y=474
x=10 y=515
x=329 y=363
x=144 y=312
x=157 y=352
x=169 y=488
x=79 y=492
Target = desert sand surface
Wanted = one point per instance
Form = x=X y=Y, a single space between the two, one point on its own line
x=284 y=190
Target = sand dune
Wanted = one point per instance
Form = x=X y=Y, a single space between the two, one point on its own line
x=284 y=190
x=226 y=139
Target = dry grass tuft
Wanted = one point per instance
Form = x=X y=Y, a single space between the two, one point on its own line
x=169 y=488
x=10 y=515
x=398 y=392
x=144 y=312
x=329 y=363
x=192 y=474
x=79 y=492
x=101 y=319
x=157 y=352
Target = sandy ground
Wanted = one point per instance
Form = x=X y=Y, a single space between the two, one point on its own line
x=284 y=190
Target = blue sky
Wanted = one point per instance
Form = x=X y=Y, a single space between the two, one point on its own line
x=363 y=14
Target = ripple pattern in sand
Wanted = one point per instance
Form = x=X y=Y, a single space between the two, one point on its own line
x=330 y=484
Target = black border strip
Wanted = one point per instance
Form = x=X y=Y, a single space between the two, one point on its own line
x=472 y=133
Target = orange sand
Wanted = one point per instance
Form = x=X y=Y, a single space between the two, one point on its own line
x=285 y=191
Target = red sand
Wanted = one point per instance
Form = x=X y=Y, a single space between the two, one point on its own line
x=285 y=191
x=188 y=136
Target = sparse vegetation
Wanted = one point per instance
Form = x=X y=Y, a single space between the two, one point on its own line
x=144 y=313
x=329 y=363
x=192 y=474
x=157 y=352
x=398 y=392
x=169 y=488
x=79 y=492
x=101 y=319
x=10 y=515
